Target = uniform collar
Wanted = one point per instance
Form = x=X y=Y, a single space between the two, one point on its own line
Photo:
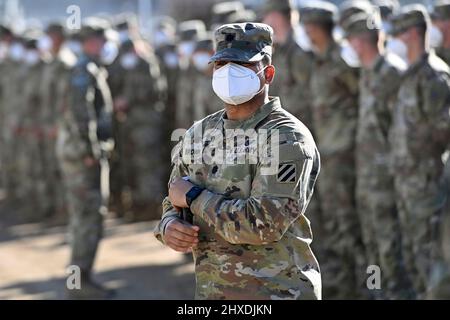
x=256 y=118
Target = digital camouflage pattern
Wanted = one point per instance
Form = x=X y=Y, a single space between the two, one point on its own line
x=420 y=135
x=334 y=92
x=254 y=237
x=375 y=196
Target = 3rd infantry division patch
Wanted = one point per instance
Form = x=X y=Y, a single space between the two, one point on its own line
x=287 y=173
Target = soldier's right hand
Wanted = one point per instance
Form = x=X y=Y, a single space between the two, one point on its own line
x=181 y=236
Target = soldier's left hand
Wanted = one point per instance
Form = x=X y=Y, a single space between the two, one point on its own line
x=177 y=192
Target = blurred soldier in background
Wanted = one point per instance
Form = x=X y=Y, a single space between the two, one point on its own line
x=13 y=137
x=441 y=19
x=293 y=63
x=189 y=33
x=205 y=101
x=293 y=68
x=222 y=11
x=139 y=111
x=166 y=51
x=420 y=135
x=378 y=85
x=334 y=92
x=52 y=88
x=32 y=174
x=84 y=127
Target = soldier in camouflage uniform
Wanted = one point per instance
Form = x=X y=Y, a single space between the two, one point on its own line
x=32 y=175
x=205 y=101
x=52 y=89
x=420 y=135
x=334 y=92
x=292 y=62
x=251 y=239
x=189 y=33
x=139 y=118
x=14 y=155
x=441 y=19
x=84 y=126
x=375 y=199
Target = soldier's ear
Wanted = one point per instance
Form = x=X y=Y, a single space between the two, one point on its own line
x=269 y=74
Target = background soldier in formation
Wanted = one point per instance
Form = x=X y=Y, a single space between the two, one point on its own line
x=421 y=132
x=374 y=92
x=378 y=88
x=334 y=92
x=84 y=127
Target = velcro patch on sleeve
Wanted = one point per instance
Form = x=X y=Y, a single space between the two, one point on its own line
x=287 y=173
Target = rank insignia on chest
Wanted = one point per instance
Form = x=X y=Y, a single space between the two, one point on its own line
x=287 y=173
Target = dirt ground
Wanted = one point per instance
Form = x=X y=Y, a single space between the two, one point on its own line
x=33 y=259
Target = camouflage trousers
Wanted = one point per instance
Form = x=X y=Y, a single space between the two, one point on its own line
x=381 y=235
x=342 y=257
x=85 y=221
x=420 y=204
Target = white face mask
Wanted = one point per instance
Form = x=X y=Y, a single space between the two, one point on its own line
x=31 y=57
x=436 y=37
x=161 y=38
x=349 y=55
x=201 y=60
x=16 y=52
x=186 y=48
x=235 y=84
x=397 y=47
x=129 y=60
x=109 y=53
x=171 y=60
x=45 y=44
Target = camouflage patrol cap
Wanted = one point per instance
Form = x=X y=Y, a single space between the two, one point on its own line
x=351 y=7
x=93 y=28
x=362 y=22
x=410 y=16
x=243 y=42
x=190 y=30
x=441 y=10
x=320 y=12
x=241 y=16
x=278 y=5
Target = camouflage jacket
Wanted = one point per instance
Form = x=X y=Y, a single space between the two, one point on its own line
x=334 y=90
x=421 y=123
x=254 y=239
x=84 y=120
x=378 y=93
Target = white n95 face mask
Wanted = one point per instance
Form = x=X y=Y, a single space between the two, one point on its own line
x=129 y=60
x=235 y=84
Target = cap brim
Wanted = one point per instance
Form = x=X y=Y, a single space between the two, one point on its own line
x=238 y=55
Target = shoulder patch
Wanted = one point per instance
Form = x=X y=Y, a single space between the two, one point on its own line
x=287 y=173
